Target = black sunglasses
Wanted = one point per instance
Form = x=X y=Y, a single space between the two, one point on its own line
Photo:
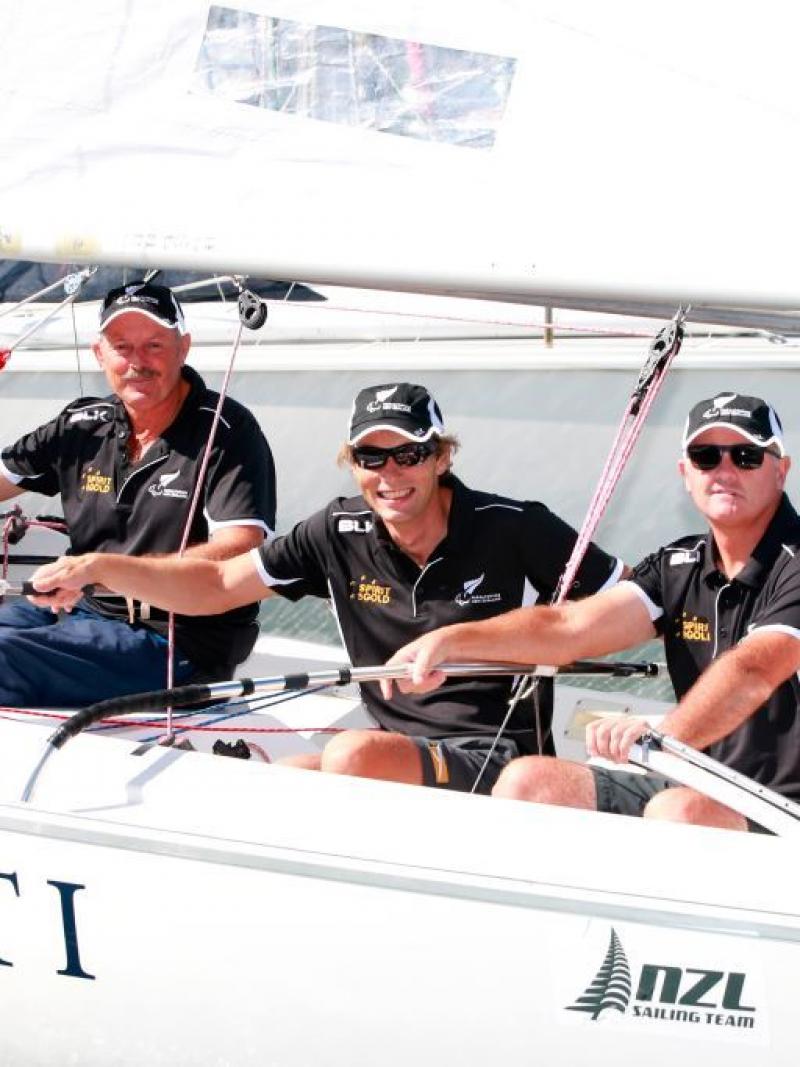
x=372 y=459
x=745 y=457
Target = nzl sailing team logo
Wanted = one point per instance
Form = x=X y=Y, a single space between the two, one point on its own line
x=721 y=407
x=382 y=402
x=669 y=992
x=163 y=487
x=469 y=595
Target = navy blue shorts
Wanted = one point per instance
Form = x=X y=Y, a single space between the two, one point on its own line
x=73 y=659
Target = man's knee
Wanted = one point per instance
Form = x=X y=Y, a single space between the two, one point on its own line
x=373 y=754
x=306 y=761
x=680 y=804
x=546 y=780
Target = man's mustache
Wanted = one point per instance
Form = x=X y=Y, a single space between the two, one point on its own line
x=137 y=373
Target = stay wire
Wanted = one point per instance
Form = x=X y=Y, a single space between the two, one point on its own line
x=253 y=314
x=33 y=296
x=76 y=349
x=72 y=284
x=198 y=489
x=663 y=349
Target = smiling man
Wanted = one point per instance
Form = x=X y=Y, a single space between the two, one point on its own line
x=126 y=466
x=416 y=549
x=727 y=604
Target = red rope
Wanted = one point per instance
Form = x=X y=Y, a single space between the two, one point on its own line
x=533 y=324
x=161 y=723
x=628 y=433
x=6 y=533
x=8 y=525
x=60 y=527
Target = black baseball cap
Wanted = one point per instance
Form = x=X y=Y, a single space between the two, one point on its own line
x=749 y=416
x=157 y=302
x=407 y=409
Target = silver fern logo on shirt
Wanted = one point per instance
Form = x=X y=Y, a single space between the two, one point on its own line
x=163 y=487
x=469 y=594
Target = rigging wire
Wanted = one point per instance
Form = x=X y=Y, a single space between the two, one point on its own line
x=76 y=349
x=198 y=488
x=33 y=296
x=72 y=284
x=252 y=314
x=608 y=479
x=663 y=349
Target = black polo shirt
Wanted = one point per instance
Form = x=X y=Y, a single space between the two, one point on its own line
x=498 y=554
x=700 y=614
x=113 y=505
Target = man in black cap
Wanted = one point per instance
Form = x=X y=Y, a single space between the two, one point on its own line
x=727 y=605
x=416 y=549
x=126 y=467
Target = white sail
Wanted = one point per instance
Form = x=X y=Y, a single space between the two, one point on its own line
x=163 y=906
x=612 y=152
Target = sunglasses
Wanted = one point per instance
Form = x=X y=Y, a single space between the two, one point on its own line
x=373 y=459
x=745 y=457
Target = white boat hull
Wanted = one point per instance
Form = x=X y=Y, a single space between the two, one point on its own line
x=169 y=907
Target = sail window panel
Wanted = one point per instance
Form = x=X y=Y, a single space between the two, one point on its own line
x=338 y=75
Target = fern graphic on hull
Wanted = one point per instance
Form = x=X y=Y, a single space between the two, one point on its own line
x=611 y=988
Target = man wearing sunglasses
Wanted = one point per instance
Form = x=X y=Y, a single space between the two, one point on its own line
x=727 y=604
x=416 y=549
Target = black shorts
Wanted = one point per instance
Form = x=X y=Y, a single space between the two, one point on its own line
x=456 y=762
x=624 y=793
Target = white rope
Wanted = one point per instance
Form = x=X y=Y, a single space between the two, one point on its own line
x=79 y=278
x=34 y=296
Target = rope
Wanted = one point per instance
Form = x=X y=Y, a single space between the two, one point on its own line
x=76 y=348
x=157 y=723
x=630 y=428
x=34 y=296
x=532 y=324
x=16 y=520
x=253 y=314
x=198 y=489
x=7 y=526
x=73 y=284
x=663 y=350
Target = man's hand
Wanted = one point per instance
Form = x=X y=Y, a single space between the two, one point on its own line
x=611 y=737
x=62 y=582
x=423 y=655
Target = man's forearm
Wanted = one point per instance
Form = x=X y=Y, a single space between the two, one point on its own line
x=521 y=636
x=227 y=542
x=720 y=701
x=188 y=586
x=731 y=689
x=600 y=624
